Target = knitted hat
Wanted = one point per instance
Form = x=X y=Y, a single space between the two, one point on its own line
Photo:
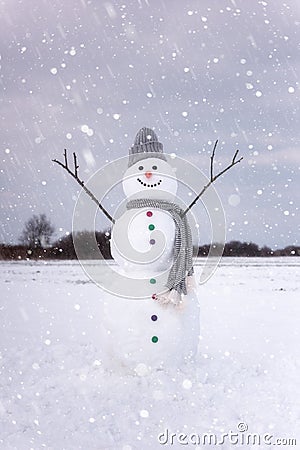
x=145 y=145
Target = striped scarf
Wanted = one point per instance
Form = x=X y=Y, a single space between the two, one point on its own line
x=183 y=246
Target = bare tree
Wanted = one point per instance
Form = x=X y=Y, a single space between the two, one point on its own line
x=37 y=232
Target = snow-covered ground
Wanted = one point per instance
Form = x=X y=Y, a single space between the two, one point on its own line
x=56 y=395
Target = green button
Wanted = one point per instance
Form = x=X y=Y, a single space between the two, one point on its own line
x=154 y=339
x=152 y=280
x=151 y=226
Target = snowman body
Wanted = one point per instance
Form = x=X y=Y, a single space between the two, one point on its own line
x=140 y=333
x=140 y=238
x=130 y=326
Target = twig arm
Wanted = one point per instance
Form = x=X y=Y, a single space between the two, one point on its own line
x=212 y=160
x=80 y=182
x=66 y=158
x=75 y=165
x=213 y=177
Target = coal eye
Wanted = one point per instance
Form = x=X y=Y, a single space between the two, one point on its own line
x=154 y=167
x=141 y=168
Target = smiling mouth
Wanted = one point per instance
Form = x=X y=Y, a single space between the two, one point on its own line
x=149 y=185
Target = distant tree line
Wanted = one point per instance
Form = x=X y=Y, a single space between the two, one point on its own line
x=38 y=231
x=63 y=248
x=248 y=249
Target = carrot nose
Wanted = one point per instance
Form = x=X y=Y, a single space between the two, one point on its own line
x=148 y=174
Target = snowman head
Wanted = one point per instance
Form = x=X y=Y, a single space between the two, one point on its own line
x=149 y=175
x=151 y=178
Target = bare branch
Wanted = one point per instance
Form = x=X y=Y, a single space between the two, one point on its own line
x=66 y=159
x=235 y=155
x=79 y=181
x=75 y=165
x=212 y=161
x=233 y=163
x=213 y=177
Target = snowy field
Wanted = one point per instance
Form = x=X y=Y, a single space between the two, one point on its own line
x=56 y=395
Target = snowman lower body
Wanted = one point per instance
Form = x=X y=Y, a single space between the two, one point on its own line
x=143 y=335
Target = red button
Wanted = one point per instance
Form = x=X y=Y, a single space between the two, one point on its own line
x=149 y=213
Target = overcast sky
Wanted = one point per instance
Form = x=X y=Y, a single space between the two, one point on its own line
x=87 y=74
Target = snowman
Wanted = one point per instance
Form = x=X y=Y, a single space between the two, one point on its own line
x=160 y=329
x=150 y=317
